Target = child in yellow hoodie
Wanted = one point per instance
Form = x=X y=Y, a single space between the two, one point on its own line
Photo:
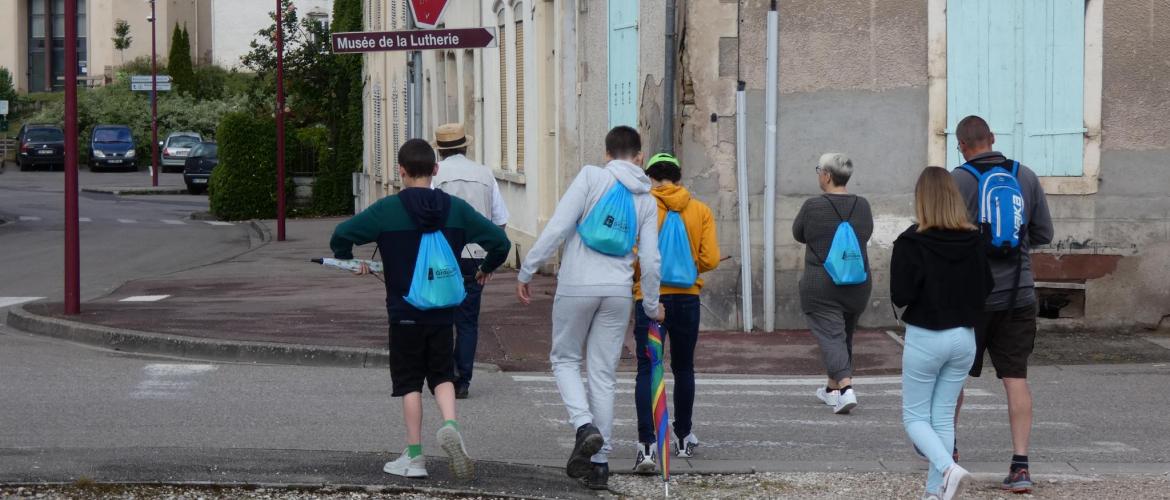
x=681 y=302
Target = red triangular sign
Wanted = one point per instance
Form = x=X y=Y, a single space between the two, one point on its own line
x=427 y=13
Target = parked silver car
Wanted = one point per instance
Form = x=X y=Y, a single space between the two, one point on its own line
x=175 y=148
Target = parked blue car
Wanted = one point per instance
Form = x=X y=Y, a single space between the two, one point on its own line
x=111 y=147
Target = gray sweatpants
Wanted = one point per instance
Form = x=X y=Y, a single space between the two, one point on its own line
x=834 y=332
x=589 y=329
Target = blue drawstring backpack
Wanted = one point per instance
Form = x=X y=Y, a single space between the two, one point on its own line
x=845 y=262
x=610 y=226
x=674 y=247
x=437 y=282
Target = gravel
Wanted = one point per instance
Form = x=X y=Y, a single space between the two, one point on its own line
x=811 y=486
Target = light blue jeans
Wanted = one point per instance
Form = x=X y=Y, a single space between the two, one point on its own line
x=934 y=367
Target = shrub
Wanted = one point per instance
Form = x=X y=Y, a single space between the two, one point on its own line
x=179 y=61
x=243 y=185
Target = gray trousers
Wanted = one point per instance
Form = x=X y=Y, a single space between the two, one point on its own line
x=589 y=330
x=834 y=332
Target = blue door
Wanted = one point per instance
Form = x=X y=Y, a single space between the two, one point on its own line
x=1019 y=65
x=623 y=63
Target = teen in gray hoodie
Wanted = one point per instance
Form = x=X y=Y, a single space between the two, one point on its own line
x=593 y=302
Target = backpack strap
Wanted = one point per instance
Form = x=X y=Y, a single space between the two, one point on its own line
x=1015 y=169
x=834 y=207
x=971 y=170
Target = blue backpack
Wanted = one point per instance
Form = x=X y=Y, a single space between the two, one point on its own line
x=610 y=227
x=1001 y=208
x=845 y=263
x=437 y=282
x=674 y=247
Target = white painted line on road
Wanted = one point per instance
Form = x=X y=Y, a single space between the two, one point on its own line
x=128 y=221
x=218 y=223
x=84 y=219
x=169 y=381
x=972 y=393
x=173 y=222
x=144 y=298
x=896 y=338
x=29 y=218
x=795 y=381
x=11 y=301
x=1161 y=341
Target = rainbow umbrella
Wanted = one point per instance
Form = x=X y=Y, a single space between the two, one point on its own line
x=658 y=401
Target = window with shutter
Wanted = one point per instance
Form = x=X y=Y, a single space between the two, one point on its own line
x=376 y=96
x=394 y=19
x=397 y=118
x=378 y=14
x=1020 y=65
x=623 y=62
x=519 y=37
x=502 y=49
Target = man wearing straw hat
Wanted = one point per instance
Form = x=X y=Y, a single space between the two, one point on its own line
x=474 y=183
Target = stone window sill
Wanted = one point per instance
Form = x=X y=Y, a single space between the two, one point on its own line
x=509 y=176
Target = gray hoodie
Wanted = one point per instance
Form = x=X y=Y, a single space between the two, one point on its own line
x=588 y=273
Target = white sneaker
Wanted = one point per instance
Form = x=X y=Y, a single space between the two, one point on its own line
x=685 y=448
x=953 y=480
x=644 y=464
x=828 y=397
x=452 y=443
x=846 y=402
x=407 y=467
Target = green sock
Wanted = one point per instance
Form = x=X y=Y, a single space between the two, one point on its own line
x=452 y=423
x=413 y=450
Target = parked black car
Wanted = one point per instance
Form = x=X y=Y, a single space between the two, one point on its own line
x=111 y=147
x=40 y=145
x=197 y=169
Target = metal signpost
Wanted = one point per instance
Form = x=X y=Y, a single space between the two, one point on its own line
x=279 y=124
x=426 y=14
x=72 y=299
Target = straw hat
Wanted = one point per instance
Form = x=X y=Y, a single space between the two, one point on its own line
x=451 y=136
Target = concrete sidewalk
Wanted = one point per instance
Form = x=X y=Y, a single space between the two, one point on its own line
x=272 y=305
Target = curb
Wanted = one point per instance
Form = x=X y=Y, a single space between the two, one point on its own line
x=134 y=190
x=201 y=348
x=311 y=488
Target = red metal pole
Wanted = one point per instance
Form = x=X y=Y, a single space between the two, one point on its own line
x=279 y=123
x=153 y=98
x=72 y=231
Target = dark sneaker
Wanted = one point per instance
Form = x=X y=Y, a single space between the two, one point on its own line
x=598 y=477
x=461 y=392
x=1018 y=482
x=589 y=442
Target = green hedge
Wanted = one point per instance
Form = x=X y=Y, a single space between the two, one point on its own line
x=243 y=185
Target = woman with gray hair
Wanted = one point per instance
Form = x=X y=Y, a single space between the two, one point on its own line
x=832 y=309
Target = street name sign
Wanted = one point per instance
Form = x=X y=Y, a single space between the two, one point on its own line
x=145 y=86
x=146 y=79
x=382 y=41
x=427 y=13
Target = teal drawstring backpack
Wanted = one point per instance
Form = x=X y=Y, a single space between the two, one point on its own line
x=610 y=226
x=674 y=248
x=437 y=282
x=845 y=263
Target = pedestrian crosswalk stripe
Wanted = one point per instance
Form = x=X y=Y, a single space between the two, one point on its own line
x=173 y=222
x=84 y=219
x=29 y=218
x=11 y=301
x=144 y=298
x=793 y=381
x=128 y=221
x=218 y=223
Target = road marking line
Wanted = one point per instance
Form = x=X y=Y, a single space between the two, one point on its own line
x=173 y=222
x=84 y=219
x=218 y=223
x=169 y=381
x=1164 y=342
x=144 y=298
x=11 y=301
x=800 y=381
x=29 y=218
x=896 y=338
x=128 y=221
x=716 y=392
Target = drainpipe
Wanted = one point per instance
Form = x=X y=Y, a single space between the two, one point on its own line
x=668 y=80
x=745 y=239
x=770 y=105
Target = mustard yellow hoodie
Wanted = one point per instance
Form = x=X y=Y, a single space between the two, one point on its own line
x=700 y=225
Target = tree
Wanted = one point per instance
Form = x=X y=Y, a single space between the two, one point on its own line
x=179 y=62
x=7 y=90
x=122 y=38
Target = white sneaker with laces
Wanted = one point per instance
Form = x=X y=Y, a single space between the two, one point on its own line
x=828 y=397
x=645 y=464
x=407 y=467
x=953 y=480
x=846 y=402
x=686 y=446
x=452 y=443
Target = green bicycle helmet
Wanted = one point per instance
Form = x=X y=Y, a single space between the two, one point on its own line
x=663 y=158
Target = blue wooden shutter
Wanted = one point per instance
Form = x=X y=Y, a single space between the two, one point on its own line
x=623 y=63
x=1019 y=65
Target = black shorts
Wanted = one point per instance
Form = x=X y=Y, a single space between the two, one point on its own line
x=1008 y=336
x=418 y=353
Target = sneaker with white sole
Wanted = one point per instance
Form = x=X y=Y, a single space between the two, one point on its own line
x=953 y=480
x=685 y=447
x=407 y=467
x=828 y=397
x=645 y=464
x=846 y=402
x=452 y=444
